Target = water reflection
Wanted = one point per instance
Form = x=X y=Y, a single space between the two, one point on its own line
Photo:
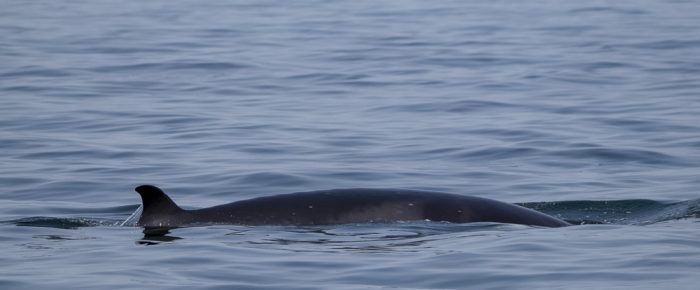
x=155 y=236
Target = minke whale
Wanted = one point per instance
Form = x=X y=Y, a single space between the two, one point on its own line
x=339 y=206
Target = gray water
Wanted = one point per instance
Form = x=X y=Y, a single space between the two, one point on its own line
x=586 y=110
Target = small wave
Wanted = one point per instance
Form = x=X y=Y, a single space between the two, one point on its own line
x=271 y=179
x=633 y=211
x=500 y=153
x=612 y=10
x=171 y=66
x=564 y=157
x=36 y=72
x=620 y=155
x=448 y=107
x=60 y=223
x=669 y=44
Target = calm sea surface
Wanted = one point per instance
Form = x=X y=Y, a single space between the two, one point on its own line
x=586 y=110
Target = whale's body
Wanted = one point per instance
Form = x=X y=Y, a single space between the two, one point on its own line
x=339 y=206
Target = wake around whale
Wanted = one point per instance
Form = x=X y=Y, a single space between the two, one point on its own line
x=339 y=206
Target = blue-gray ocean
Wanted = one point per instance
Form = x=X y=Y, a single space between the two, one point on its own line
x=585 y=110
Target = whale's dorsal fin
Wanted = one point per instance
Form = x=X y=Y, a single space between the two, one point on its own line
x=155 y=203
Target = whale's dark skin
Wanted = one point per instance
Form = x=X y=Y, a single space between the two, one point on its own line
x=339 y=206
